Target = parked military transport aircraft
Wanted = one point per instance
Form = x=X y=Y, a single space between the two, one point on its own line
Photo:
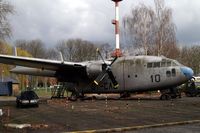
x=121 y=75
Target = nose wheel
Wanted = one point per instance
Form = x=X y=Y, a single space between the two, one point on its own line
x=75 y=96
x=165 y=97
x=125 y=95
x=168 y=94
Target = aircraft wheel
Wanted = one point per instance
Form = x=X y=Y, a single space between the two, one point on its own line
x=73 y=97
x=165 y=97
x=18 y=105
x=179 y=96
x=81 y=96
x=188 y=94
x=125 y=95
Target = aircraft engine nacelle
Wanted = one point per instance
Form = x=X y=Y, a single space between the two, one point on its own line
x=93 y=70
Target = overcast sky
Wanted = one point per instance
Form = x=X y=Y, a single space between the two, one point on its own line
x=53 y=20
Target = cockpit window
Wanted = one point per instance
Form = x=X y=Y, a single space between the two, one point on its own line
x=149 y=65
x=175 y=63
x=169 y=63
x=163 y=63
x=156 y=64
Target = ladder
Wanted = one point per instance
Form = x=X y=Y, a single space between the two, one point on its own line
x=58 y=91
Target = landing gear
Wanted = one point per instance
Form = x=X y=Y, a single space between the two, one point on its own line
x=75 y=96
x=125 y=95
x=165 y=97
x=170 y=94
x=191 y=90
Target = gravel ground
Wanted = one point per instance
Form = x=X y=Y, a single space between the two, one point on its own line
x=63 y=116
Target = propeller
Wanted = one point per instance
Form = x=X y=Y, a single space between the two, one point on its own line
x=106 y=70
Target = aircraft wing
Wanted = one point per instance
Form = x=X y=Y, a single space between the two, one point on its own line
x=63 y=70
x=37 y=63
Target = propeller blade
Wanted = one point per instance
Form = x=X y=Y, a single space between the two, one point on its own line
x=113 y=61
x=101 y=56
x=106 y=69
x=100 y=78
x=112 y=78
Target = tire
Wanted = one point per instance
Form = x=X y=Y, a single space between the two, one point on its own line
x=73 y=97
x=165 y=97
x=37 y=105
x=18 y=104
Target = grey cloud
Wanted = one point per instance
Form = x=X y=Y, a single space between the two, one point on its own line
x=52 y=21
x=186 y=14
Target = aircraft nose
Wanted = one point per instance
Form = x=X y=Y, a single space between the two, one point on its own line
x=188 y=72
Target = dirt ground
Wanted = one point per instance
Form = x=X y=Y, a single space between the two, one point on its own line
x=63 y=116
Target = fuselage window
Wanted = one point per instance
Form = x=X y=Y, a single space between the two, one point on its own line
x=168 y=64
x=156 y=64
x=149 y=65
x=163 y=64
x=168 y=73
x=173 y=72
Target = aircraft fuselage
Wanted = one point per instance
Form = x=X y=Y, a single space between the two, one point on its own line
x=133 y=73
x=143 y=73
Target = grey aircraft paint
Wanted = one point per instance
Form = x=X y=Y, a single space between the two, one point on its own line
x=133 y=73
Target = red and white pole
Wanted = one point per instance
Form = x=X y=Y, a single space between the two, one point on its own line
x=117 y=52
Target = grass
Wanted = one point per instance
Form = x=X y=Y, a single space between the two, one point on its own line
x=42 y=92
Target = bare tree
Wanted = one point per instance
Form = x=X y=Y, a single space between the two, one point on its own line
x=77 y=50
x=5 y=10
x=67 y=48
x=152 y=30
x=189 y=56
x=22 y=44
x=3 y=47
x=35 y=47
x=138 y=26
x=164 y=27
x=105 y=50
x=52 y=53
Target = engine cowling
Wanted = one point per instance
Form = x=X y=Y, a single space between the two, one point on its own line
x=94 y=69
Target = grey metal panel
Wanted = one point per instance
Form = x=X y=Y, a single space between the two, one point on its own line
x=33 y=71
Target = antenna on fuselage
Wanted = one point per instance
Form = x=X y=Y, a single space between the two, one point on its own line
x=61 y=57
x=15 y=51
x=117 y=52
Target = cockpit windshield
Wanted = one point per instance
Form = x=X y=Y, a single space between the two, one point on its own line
x=176 y=63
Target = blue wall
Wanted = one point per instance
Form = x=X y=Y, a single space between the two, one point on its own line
x=5 y=88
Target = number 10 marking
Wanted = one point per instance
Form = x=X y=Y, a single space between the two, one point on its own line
x=155 y=78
